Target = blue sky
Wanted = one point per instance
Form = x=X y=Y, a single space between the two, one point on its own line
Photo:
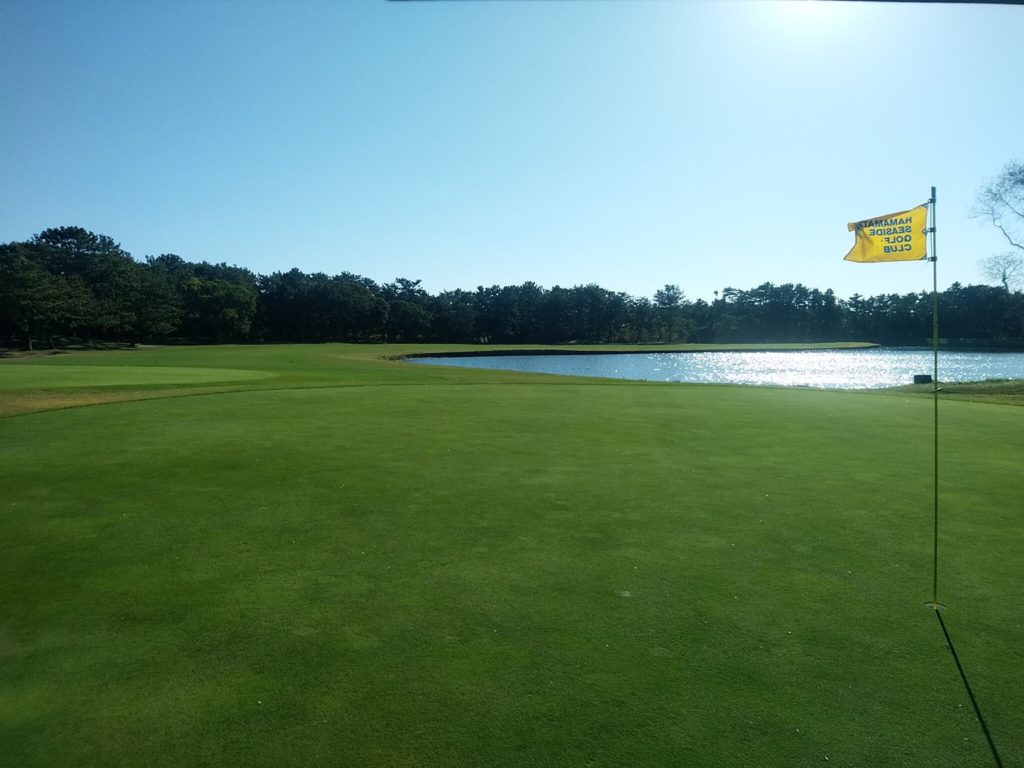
x=630 y=143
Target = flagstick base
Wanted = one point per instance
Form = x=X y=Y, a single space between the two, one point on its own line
x=936 y=606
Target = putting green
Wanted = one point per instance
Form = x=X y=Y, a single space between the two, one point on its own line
x=30 y=376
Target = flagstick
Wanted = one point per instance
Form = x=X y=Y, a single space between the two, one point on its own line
x=935 y=604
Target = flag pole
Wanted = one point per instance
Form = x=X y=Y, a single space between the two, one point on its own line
x=888 y=238
x=935 y=604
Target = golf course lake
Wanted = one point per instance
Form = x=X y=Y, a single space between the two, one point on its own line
x=872 y=368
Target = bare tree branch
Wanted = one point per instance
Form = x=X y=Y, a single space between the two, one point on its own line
x=1006 y=234
x=1001 y=201
x=1004 y=268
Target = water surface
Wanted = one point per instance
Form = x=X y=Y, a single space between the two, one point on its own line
x=826 y=369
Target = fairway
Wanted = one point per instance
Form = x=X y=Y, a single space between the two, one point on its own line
x=323 y=557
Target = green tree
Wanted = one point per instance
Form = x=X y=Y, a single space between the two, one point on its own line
x=112 y=276
x=218 y=310
x=408 y=317
x=557 y=316
x=160 y=309
x=976 y=312
x=34 y=302
x=669 y=304
x=497 y=314
x=454 y=317
x=641 y=319
x=360 y=309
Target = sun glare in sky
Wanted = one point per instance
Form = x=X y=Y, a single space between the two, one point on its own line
x=811 y=22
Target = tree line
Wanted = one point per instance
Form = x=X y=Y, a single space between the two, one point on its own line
x=67 y=284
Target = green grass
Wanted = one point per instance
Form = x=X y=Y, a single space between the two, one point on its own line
x=354 y=561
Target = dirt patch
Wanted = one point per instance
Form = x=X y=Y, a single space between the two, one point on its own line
x=16 y=404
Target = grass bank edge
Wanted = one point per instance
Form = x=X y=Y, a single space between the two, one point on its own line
x=300 y=366
x=467 y=350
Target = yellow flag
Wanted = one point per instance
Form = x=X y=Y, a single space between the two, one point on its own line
x=892 y=237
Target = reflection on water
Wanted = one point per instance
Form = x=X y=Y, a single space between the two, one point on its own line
x=826 y=369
